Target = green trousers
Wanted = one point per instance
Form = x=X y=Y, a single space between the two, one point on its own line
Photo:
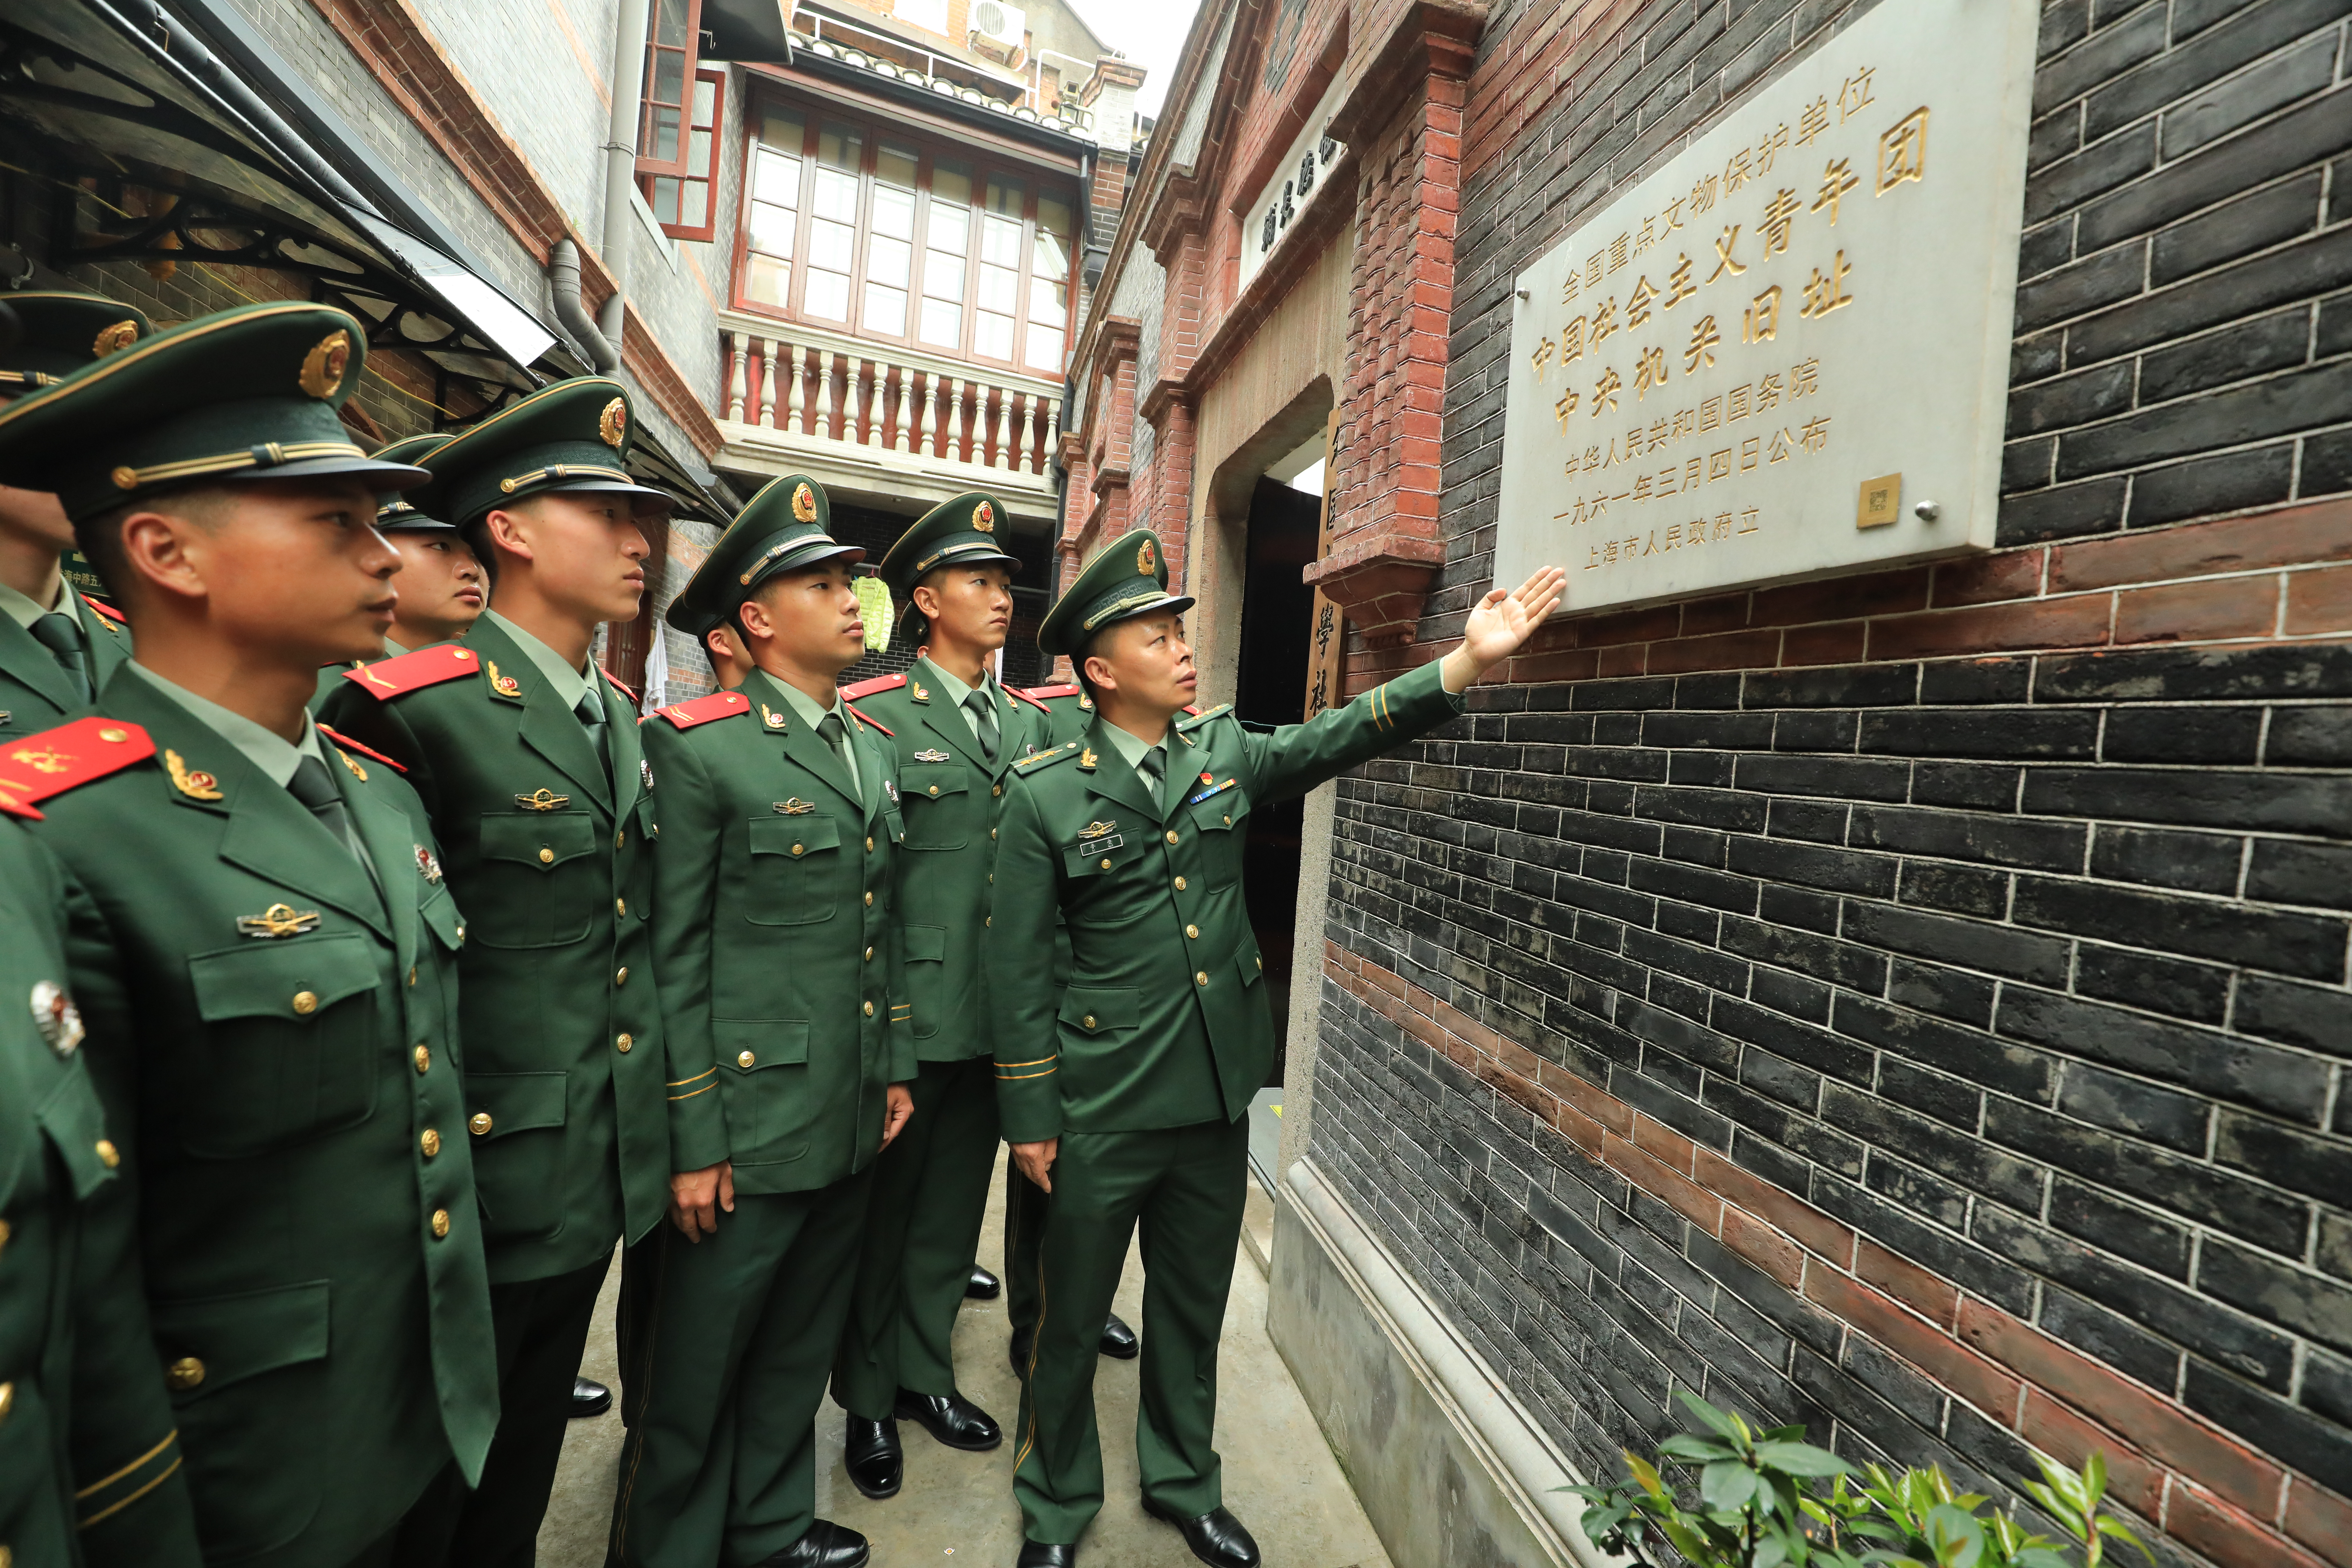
x=1184 y=1187
x=719 y=1464
x=1025 y=1222
x=931 y=1195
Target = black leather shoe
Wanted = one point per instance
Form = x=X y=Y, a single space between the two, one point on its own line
x=824 y=1544
x=1118 y=1340
x=589 y=1397
x=951 y=1418
x=983 y=1285
x=1215 y=1537
x=876 y=1465
x=1040 y=1554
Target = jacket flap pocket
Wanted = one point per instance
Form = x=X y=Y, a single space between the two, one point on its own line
x=293 y=980
x=498 y=1103
x=1107 y=852
x=926 y=945
x=1226 y=808
x=439 y=914
x=1095 y=1010
x=76 y=1124
x=747 y=1045
x=216 y=1342
x=793 y=836
x=544 y=839
x=930 y=783
x=1248 y=960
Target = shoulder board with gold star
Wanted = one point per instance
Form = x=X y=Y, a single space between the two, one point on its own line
x=868 y=720
x=347 y=744
x=41 y=767
x=1031 y=762
x=390 y=677
x=109 y=611
x=868 y=688
x=1198 y=718
x=703 y=710
x=620 y=686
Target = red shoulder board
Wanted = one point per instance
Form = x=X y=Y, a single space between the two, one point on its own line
x=879 y=683
x=347 y=744
x=1193 y=709
x=38 y=767
x=703 y=710
x=1038 y=693
x=875 y=723
x=1016 y=691
x=109 y=611
x=620 y=686
x=413 y=671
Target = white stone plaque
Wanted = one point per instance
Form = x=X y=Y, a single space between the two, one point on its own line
x=1785 y=353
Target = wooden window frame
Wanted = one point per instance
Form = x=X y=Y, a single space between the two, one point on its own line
x=647 y=165
x=708 y=228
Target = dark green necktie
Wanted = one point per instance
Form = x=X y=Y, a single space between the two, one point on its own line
x=591 y=714
x=836 y=735
x=983 y=721
x=314 y=787
x=1154 y=767
x=61 y=634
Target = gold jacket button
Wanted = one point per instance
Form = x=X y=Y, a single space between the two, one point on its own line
x=185 y=1372
x=5 y=1233
x=870 y=900
x=870 y=1009
x=992 y=833
x=479 y=1124
x=107 y=1154
x=622 y=976
x=423 y=1055
x=1193 y=931
x=1179 y=884
x=430 y=1142
x=935 y=789
x=306 y=1002
x=440 y=1223
x=746 y=1059
x=1171 y=836
x=995 y=790
x=1229 y=819
x=869 y=844
x=546 y=856
x=1202 y=978
x=622 y=1043
x=796 y=848
x=620 y=838
x=412 y=975
x=989 y=920
x=620 y=906
x=1089 y=1020
x=1105 y=865
x=870 y=955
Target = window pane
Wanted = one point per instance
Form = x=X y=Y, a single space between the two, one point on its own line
x=950 y=180
x=886 y=311
x=697 y=151
x=670 y=22
x=895 y=165
x=694 y=204
x=836 y=195
x=706 y=100
x=767 y=281
x=840 y=146
x=776 y=178
x=1054 y=216
x=1046 y=348
x=1004 y=196
x=665 y=134
x=894 y=212
x=943 y=322
x=771 y=228
x=887 y=261
x=670 y=77
x=992 y=336
x=664 y=202
x=828 y=296
x=1052 y=259
x=1045 y=296
x=943 y=276
x=999 y=289
x=783 y=130
x=1000 y=242
x=949 y=228
x=829 y=244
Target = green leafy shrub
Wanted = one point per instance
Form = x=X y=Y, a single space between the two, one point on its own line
x=1769 y=1498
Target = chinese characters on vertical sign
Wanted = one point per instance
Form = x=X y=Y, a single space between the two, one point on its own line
x=1815 y=293
x=1295 y=180
x=1326 y=636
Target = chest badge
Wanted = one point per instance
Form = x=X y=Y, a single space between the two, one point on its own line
x=1098 y=829
x=543 y=799
x=54 y=1015
x=891 y=789
x=795 y=806
x=646 y=771
x=276 y=920
x=427 y=866
x=930 y=756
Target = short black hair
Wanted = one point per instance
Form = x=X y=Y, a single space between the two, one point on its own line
x=476 y=536
x=98 y=536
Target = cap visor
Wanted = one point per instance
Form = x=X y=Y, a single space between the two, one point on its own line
x=379 y=476
x=610 y=487
x=414 y=524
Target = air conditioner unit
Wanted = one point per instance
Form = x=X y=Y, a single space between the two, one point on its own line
x=997 y=28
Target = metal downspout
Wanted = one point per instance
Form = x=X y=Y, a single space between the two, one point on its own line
x=621 y=160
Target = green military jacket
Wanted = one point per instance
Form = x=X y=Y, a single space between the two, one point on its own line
x=952 y=800
x=1164 y=1021
x=85 y=1409
x=33 y=691
x=275 y=1043
x=564 y=1068
x=776 y=939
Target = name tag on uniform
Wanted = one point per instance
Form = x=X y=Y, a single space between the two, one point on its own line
x=1101 y=846
x=1212 y=789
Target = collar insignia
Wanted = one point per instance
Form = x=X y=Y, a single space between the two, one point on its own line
x=278 y=920
x=543 y=799
x=352 y=763
x=54 y=1015
x=504 y=685
x=426 y=865
x=931 y=756
x=921 y=695
x=773 y=720
x=197 y=785
x=795 y=806
x=1086 y=758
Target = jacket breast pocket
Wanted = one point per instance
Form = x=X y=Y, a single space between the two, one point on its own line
x=1223 y=822
x=248 y=1380
x=515 y=1123
x=763 y=1066
x=795 y=869
x=1105 y=886
x=927 y=952
x=288 y=1045
x=935 y=798
x=543 y=879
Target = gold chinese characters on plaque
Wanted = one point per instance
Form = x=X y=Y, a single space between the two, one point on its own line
x=1784 y=353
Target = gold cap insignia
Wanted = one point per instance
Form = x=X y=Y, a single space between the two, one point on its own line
x=196 y=784
x=120 y=335
x=427 y=866
x=322 y=367
x=795 y=806
x=612 y=425
x=1144 y=560
x=804 y=504
x=54 y=1015
x=543 y=799
x=983 y=518
x=278 y=920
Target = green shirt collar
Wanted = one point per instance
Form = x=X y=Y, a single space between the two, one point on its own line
x=22 y=609
x=1133 y=749
x=570 y=684
x=806 y=708
x=956 y=691
x=275 y=758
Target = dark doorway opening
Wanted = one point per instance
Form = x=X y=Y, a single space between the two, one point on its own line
x=1269 y=687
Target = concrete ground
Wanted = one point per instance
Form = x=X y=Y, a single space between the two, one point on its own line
x=1281 y=1480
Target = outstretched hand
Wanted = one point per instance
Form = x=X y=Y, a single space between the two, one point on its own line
x=1500 y=624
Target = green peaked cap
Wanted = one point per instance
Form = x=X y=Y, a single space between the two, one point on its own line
x=243 y=395
x=1127 y=578
x=966 y=530
x=60 y=332
x=570 y=435
x=788 y=525
x=396 y=513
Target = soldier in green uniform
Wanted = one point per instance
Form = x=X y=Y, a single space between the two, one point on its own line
x=56 y=648
x=782 y=973
x=526 y=756
x=270 y=985
x=440 y=583
x=1124 y=1093
x=84 y=1411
